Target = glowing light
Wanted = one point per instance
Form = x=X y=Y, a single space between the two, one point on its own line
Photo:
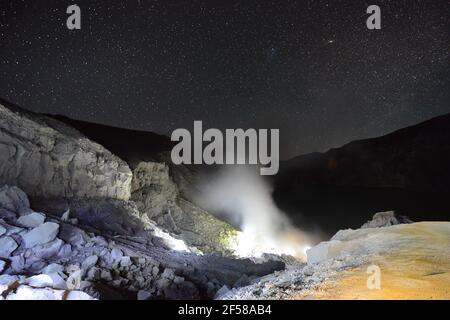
x=172 y=243
x=249 y=244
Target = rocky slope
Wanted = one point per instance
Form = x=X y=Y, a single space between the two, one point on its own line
x=60 y=169
x=413 y=261
x=43 y=256
x=47 y=158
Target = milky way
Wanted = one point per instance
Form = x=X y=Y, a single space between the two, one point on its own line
x=310 y=68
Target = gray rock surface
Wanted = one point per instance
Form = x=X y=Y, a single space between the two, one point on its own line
x=385 y=219
x=41 y=235
x=7 y=246
x=158 y=197
x=31 y=220
x=45 y=157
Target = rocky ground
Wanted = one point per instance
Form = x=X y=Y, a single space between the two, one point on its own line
x=48 y=257
x=413 y=262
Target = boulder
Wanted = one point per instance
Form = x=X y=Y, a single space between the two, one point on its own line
x=47 y=250
x=2 y=265
x=52 y=280
x=320 y=252
x=143 y=295
x=2 y=230
x=47 y=158
x=7 y=246
x=31 y=220
x=12 y=198
x=53 y=268
x=385 y=219
x=89 y=262
x=40 y=235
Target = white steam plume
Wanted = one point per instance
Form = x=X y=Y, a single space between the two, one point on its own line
x=244 y=197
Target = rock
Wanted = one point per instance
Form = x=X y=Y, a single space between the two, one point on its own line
x=25 y=292
x=116 y=254
x=17 y=263
x=93 y=274
x=105 y=275
x=12 y=198
x=31 y=220
x=2 y=230
x=89 y=262
x=42 y=234
x=2 y=265
x=7 y=246
x=65 y=252
x=53 y=268
x=242 y=281
x=157 y=196
x=168 y=274
x=78 y=295
x=385 y=219
x=47 y=158
x=73 y=235
x=143 y=295
x=6 y=280
x=47 y=250
x=74 y=280
x=125 y=262
x=10 y=229
x=52 y=280
x=320 y=252
x=65 y=215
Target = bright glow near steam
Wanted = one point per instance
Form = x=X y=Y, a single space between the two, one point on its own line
x=245 y=198
x=174 y=244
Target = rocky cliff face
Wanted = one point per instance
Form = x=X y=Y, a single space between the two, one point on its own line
x=157 y=196
x=47 y=158
x=60 y=168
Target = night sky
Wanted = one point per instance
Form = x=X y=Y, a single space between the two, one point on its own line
x=310 y=68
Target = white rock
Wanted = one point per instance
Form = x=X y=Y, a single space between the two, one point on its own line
x=17 y=263
x=53 y=268
x=10 y=229
x=116 y=254
x=74 y=280
x=47 y=250
x=31 y=220
x=125 y=262
x=42 y=234
x=320 y=252
x=78 y=295
x=2 y=230
x=65 y=252
x=2 y=265
x=52 y=280
x=143 y=295
x=7 y=246
x=65 y=216
x=25 y=292
x=89 y=262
